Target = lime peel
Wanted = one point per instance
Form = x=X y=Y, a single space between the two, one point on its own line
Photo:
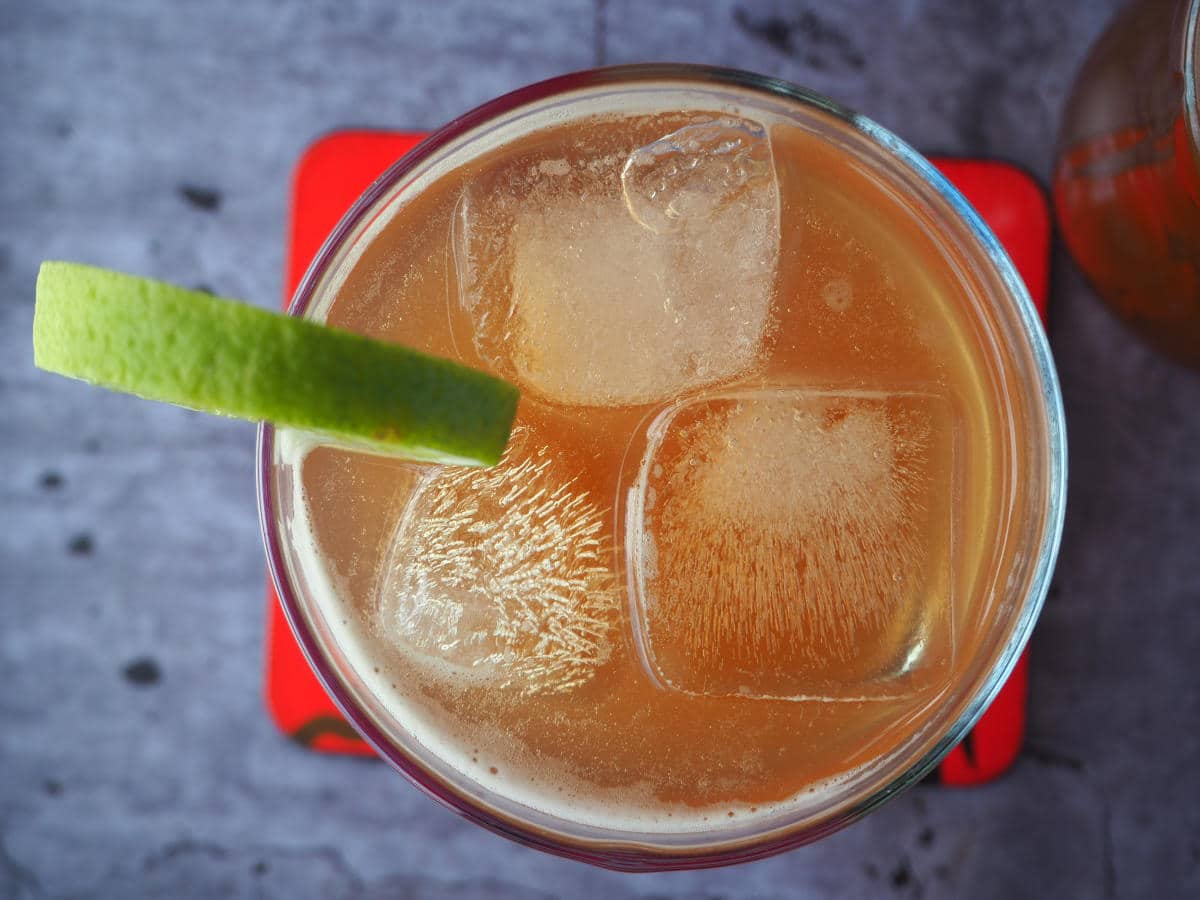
x=164 y=342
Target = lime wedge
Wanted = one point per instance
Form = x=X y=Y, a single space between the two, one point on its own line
x=164 y=342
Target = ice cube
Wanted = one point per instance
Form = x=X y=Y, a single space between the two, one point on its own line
x=795 y=544
x=502 y=575
x=581 y=303
x=684 y=179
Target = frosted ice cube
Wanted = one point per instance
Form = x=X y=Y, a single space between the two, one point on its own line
x=795 y=544
x=502 y=575
x=579 y=302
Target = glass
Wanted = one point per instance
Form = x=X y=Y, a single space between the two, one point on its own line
x=1029 y=464
x=1127 y=182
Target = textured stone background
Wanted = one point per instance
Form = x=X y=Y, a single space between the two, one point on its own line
x=135 y=756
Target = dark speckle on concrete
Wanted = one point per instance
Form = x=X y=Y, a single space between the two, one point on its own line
x=262 y=867
x=5 y=257
x=925 y=836
x=91 y=445
x=773 y=30
x=52 y=787
x=901 y=876
x=203 y=198
x=63 y=130
x=871 y=870
x=50 y=480
x=817 y=42
x=143 y=672
x=81 y=544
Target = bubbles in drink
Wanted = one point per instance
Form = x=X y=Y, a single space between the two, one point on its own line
x=619 y=275
x=502 y=575
x=783 y=545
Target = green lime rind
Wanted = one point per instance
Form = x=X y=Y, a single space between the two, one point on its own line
x=163 y=342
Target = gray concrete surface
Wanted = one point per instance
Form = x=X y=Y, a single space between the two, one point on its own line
x=135 y=756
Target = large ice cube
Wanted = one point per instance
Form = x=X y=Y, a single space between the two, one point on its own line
x=795 y=544
x=502 y=575
x=625 y=278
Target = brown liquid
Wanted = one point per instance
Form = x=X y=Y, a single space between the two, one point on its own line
x=863 y=305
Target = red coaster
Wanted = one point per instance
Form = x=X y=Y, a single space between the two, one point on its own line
x=331 y=175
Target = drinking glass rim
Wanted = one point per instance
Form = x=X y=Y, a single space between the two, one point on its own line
x=631 y=859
